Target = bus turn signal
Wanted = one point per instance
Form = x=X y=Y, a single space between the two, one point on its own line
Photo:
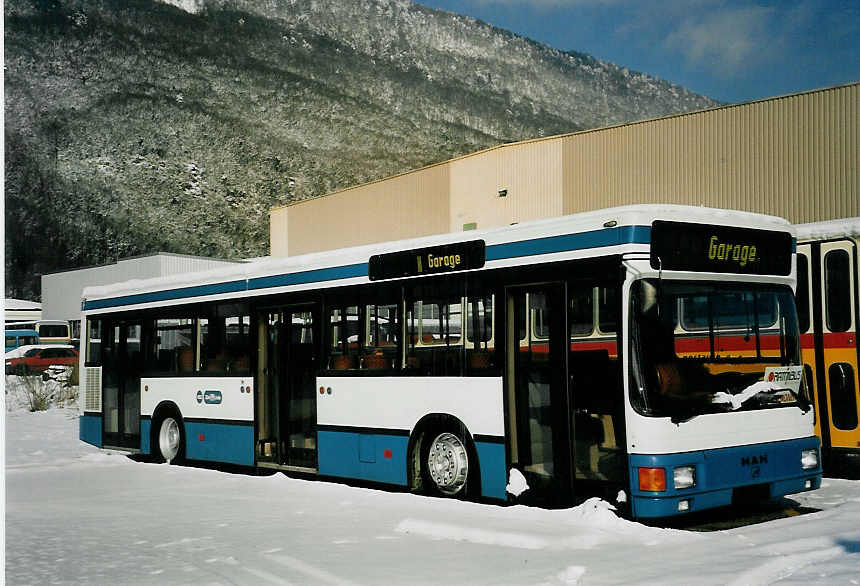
x=652 y=479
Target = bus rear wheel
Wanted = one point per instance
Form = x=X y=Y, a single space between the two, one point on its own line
x=445 y=464
x=170 y=439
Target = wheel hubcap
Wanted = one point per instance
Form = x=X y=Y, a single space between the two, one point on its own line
x=168 y=439
x=448 y=463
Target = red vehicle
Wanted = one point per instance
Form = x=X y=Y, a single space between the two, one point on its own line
x=39 y=358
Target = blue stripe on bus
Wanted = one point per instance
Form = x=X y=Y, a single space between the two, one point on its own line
x=566 y=242
x=548 y=245
x=185 y=292
x=90 y=429
x=314 y=276
x=145 y=434
x=494 y=477
x=218 y=442
x=363 y=456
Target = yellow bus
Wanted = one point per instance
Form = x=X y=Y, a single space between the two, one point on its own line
x=827 y=307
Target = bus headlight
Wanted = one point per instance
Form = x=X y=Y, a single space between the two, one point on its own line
x=809 y=459
x=684 y=476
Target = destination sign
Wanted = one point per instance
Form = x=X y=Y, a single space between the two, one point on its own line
x=445 y=258
x=719 y=249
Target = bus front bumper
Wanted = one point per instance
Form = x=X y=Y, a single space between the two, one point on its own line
x=723 y=476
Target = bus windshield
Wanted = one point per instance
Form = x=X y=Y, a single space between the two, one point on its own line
x=702 y=348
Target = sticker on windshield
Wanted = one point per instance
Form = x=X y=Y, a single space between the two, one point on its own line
x=787 y=377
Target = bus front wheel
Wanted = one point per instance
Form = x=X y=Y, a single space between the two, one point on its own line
x=170 y=439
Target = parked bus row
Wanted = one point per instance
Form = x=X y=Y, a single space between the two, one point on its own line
x=827 y=307
x=49 y=331
x=651 y=353
x=22 y=337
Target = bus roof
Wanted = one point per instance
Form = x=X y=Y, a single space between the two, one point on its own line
x=845 y=227
x=597 y=233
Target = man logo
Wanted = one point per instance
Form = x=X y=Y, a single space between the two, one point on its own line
x=754 y=460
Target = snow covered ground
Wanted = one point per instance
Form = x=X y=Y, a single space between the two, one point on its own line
x=75 y=514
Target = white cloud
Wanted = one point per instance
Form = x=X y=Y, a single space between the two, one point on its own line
x=727 y=39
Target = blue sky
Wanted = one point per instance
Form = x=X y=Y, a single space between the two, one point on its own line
x=729 y=50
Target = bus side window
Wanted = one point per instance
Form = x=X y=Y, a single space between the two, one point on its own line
x=596 y=383
x=843 y=396
x=94 y=342
x=434 y=334
x=803 y=293
x=225 y=340
x=382 y=333
x=434 y=328
x=174 y=345
x=607 y=311
x=837 y=290
x=343 y=330
x=581 y=312
x=480 y=344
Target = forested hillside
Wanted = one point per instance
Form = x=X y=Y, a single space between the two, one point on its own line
x=134 y=127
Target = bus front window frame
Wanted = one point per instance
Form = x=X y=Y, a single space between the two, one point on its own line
x=682 y=373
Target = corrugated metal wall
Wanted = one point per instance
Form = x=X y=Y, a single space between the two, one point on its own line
x=794 y=156
x=529 y=173
x=405 y=206
x=176 y=264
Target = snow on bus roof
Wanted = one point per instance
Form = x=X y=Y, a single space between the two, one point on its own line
x=632 y=215
x=829 y=229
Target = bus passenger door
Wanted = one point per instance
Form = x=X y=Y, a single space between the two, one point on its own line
x=809 y=331
x=287 y=407
x=839 y=404
x=595 y=384
x=537 y=391
x=121 y=396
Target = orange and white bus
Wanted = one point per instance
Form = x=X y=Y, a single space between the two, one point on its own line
x=827 y=308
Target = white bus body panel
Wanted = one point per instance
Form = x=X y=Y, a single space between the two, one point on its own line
x=400 y=402
x=658 y=435
x=189 y=394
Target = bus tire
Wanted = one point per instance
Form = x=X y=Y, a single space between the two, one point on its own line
x=169 y=439
x=446 y=466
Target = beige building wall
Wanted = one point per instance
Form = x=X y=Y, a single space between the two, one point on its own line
x=405 y=206
x=528 y=173
x=794 y=156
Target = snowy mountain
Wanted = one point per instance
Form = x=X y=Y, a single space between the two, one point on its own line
x=139 y=126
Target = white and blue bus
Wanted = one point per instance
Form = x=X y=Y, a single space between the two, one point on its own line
x=16 y=338
x=50 y=331
x=650 y=353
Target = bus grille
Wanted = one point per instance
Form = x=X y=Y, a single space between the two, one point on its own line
x=93 y=391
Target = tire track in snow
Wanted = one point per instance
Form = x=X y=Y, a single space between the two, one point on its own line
x=516 y=540
x=784 y=566
x=268 y=577
x=309 y=570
